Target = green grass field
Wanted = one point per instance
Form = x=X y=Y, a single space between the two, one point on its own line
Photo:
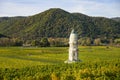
x=17 y=57
x=25 y=58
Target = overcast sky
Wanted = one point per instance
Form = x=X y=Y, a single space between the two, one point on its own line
x=104 y=8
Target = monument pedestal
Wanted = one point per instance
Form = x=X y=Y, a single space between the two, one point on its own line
x=68 y=61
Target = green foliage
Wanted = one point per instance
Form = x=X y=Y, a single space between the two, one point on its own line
x=35 y=43
x=44 y=42
x=58 y=42
x=1 y=36
x=98 y=63
x=78 y=71
x=116 y=19
x=57 y=23
x=117 y=41
x=86 y=41
x=10 y=42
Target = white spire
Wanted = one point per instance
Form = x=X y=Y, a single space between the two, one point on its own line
x=73 y=47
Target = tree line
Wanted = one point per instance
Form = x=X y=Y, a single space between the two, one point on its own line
x=57 y=42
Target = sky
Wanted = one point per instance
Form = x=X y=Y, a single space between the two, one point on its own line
x=98 y=8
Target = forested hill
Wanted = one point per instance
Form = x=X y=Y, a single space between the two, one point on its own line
x=1 y=36
x=116 y=19
x=56 y=22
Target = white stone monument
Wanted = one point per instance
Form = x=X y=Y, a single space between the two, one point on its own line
x=73 y=48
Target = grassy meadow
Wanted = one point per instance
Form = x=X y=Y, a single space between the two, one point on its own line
x=28 y=63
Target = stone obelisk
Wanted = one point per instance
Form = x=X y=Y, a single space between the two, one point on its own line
x=73 y=48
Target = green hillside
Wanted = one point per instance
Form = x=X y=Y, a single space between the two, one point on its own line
x=116 y=19
x=1 y=36
x=56 y=22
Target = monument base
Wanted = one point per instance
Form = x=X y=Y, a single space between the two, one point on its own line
x=74 y=61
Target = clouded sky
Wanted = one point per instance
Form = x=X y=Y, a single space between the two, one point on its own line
x=104 y=8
